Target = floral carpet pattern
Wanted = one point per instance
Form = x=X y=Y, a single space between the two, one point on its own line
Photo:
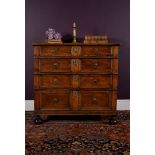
x=78 y=136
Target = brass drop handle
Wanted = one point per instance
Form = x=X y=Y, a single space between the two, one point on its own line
x=75 y=93
x=55 y=65
x=75 y=77
x=95 y=81
x=55 y=49
x=94 y=99
x=55 y=100
x=55 y=81
x=95 y=65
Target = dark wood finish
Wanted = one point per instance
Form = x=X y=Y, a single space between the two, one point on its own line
x=75 y=79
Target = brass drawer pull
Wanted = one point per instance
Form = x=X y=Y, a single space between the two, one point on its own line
x=95 y=65
x=55 y=81
x=55 y=49
x=56 y=65
x=75 y=93
x=94 y=100
x=95 y=81
x=75 y=77
x=55 y=100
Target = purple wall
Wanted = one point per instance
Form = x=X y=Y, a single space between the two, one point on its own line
x=93 y=17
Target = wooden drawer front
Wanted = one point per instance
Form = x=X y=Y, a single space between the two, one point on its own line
x=55 y=65
x=55 y=81
x=96 y=51
x=95 y=100
x=55 y=51
x=55 y=100
x=96 y=65
x=95 y=81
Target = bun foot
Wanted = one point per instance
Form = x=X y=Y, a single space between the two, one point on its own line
x=112 y=121
x=38 y=120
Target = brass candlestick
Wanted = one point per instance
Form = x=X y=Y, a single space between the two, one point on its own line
x=74 y=32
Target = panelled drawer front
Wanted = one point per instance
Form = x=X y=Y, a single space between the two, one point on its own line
x=55 y=65
x=84 y=51
x=55 y=81
x=80 y=65
x=88 y=100
x=95 y=100
x=74 y=81
x=55 y=100
x=96 y=65
x=96 y=81
x=55 y=51
x=104 y=51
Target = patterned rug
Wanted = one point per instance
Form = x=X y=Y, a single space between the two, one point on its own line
x=78 y=136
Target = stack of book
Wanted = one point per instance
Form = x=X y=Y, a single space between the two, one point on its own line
x=96 y=39
x=53 y=41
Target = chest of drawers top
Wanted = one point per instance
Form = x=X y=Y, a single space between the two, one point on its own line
x=72 y=44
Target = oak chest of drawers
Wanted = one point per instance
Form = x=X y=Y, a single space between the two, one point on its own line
x=75 y=79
